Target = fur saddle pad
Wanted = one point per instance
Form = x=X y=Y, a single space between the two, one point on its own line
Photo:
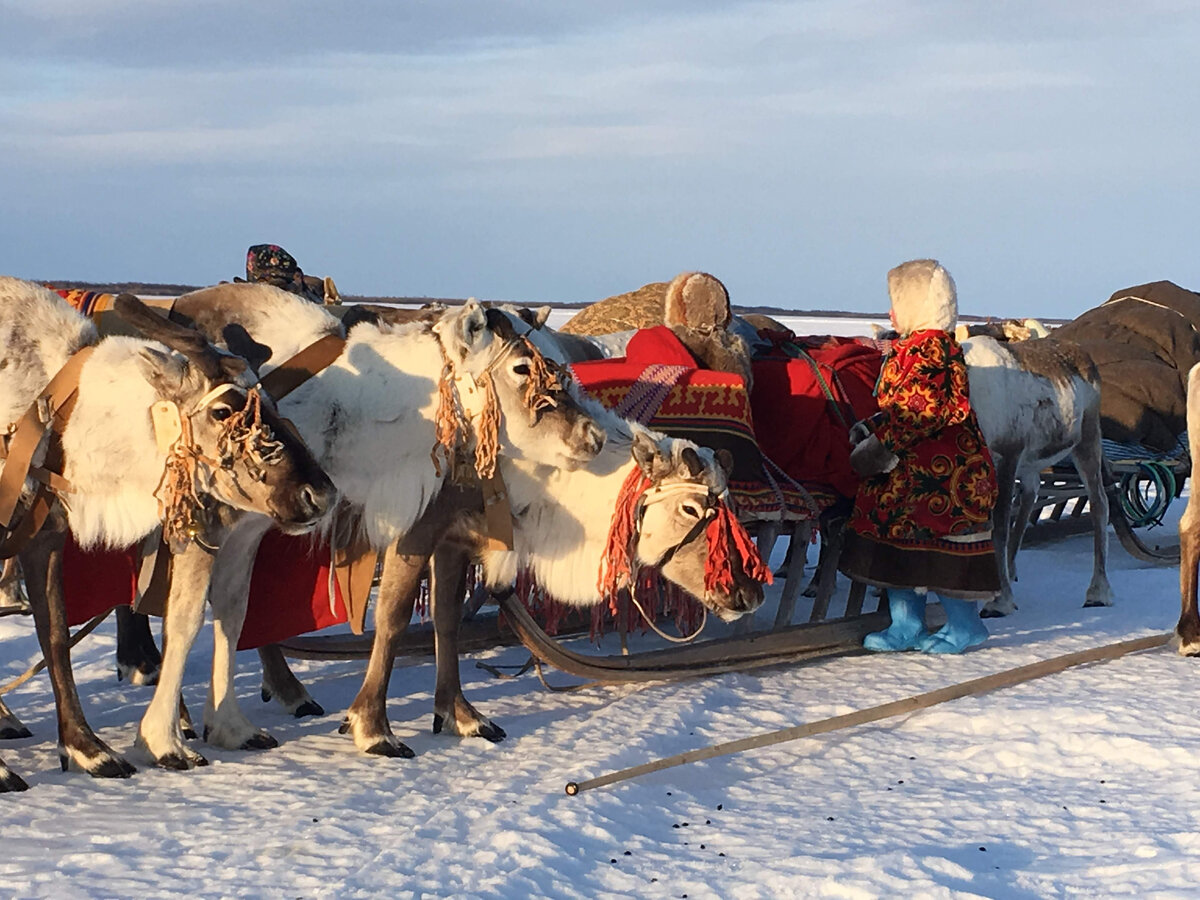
x=289 y=590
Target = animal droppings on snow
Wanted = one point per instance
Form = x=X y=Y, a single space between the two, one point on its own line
x=628 y=853
x=984 y=849
x=720 y=806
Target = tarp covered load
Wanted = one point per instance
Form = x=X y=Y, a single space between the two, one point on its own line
x=1144 y=340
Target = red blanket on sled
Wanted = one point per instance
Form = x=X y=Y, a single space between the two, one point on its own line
x=289 y=592
x=659 y=384
x=807 y=394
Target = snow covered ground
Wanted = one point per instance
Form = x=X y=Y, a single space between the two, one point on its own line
x=1082 y=783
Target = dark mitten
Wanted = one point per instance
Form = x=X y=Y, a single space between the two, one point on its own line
x=870 y=457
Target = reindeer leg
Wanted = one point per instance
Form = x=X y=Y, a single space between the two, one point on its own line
x=1188 y=629
x=225 y=725
x=160 y=734
x=1089 y=462
x=41 y=562
x=366 y=719
x=11 y=728
x=281 y=684
x=138 y=659
x=448 y=587
x=1006 y=481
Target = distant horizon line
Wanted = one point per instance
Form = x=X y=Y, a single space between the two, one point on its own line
x=164 y=289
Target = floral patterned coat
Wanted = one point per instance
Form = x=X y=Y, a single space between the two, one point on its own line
x=944 y=483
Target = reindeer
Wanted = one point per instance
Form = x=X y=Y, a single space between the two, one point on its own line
x=1187 y=630
x=371 y=418
x=120 y=477
x=1038 y=402
x=564 y=550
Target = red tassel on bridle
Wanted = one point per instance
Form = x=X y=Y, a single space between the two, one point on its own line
x=723 y=530
x=616 y=568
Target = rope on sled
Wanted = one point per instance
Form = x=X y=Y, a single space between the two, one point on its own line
x=1007 y=678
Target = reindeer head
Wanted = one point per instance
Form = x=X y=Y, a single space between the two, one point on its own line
x=224 y=440
x=679 y=514
x=533 y=415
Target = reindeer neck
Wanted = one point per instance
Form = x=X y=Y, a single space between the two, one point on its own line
x=368 y=419
x=562 y=518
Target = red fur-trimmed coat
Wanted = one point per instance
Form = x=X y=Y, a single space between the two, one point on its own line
x=944 y=483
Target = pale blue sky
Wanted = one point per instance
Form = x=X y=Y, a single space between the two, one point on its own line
x=545 y=150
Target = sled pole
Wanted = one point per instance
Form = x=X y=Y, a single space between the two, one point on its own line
x=1007 y=678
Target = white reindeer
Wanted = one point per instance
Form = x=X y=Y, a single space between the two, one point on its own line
x=370 y=418
x=114 y=463
x=1038 y=402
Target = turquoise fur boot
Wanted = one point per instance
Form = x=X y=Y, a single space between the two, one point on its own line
x=963 y=628
x=908 y=623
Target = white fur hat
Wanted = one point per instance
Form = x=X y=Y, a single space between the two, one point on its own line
x=923 y=296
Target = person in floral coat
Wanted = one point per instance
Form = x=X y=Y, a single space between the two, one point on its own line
x=922 y=515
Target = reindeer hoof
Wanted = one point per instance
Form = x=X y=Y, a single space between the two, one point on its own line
x=113 y=767
x=141 y=674
x=1090 y=604
x=181 y=762
x=11 y=782
x=260 y=741
x=309 y=708
x=391 y=747
x=188 y=732
x=266 y=695
x=344 y=728
x=490 y=731
x=9 y=733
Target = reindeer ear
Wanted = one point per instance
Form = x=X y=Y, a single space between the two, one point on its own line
x=474 y=323
x=725 y=461
x=540 y=315
x=649 y=456
x=239 y=342
x=692 y=461
x=165 y=372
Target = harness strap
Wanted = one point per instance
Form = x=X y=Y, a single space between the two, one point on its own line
x=314 y=358
x=50 y=411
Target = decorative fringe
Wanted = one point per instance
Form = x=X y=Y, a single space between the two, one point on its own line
x=722 y=531
x=179 y=503
x=487 y=429
x=243 y=434
x=446 y=420
x=616 y=568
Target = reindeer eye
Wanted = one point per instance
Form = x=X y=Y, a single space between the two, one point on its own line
x=690 y=509
x=221 y=413
x=521 y=369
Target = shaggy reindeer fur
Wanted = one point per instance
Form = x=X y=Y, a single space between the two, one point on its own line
x=1038 y=402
